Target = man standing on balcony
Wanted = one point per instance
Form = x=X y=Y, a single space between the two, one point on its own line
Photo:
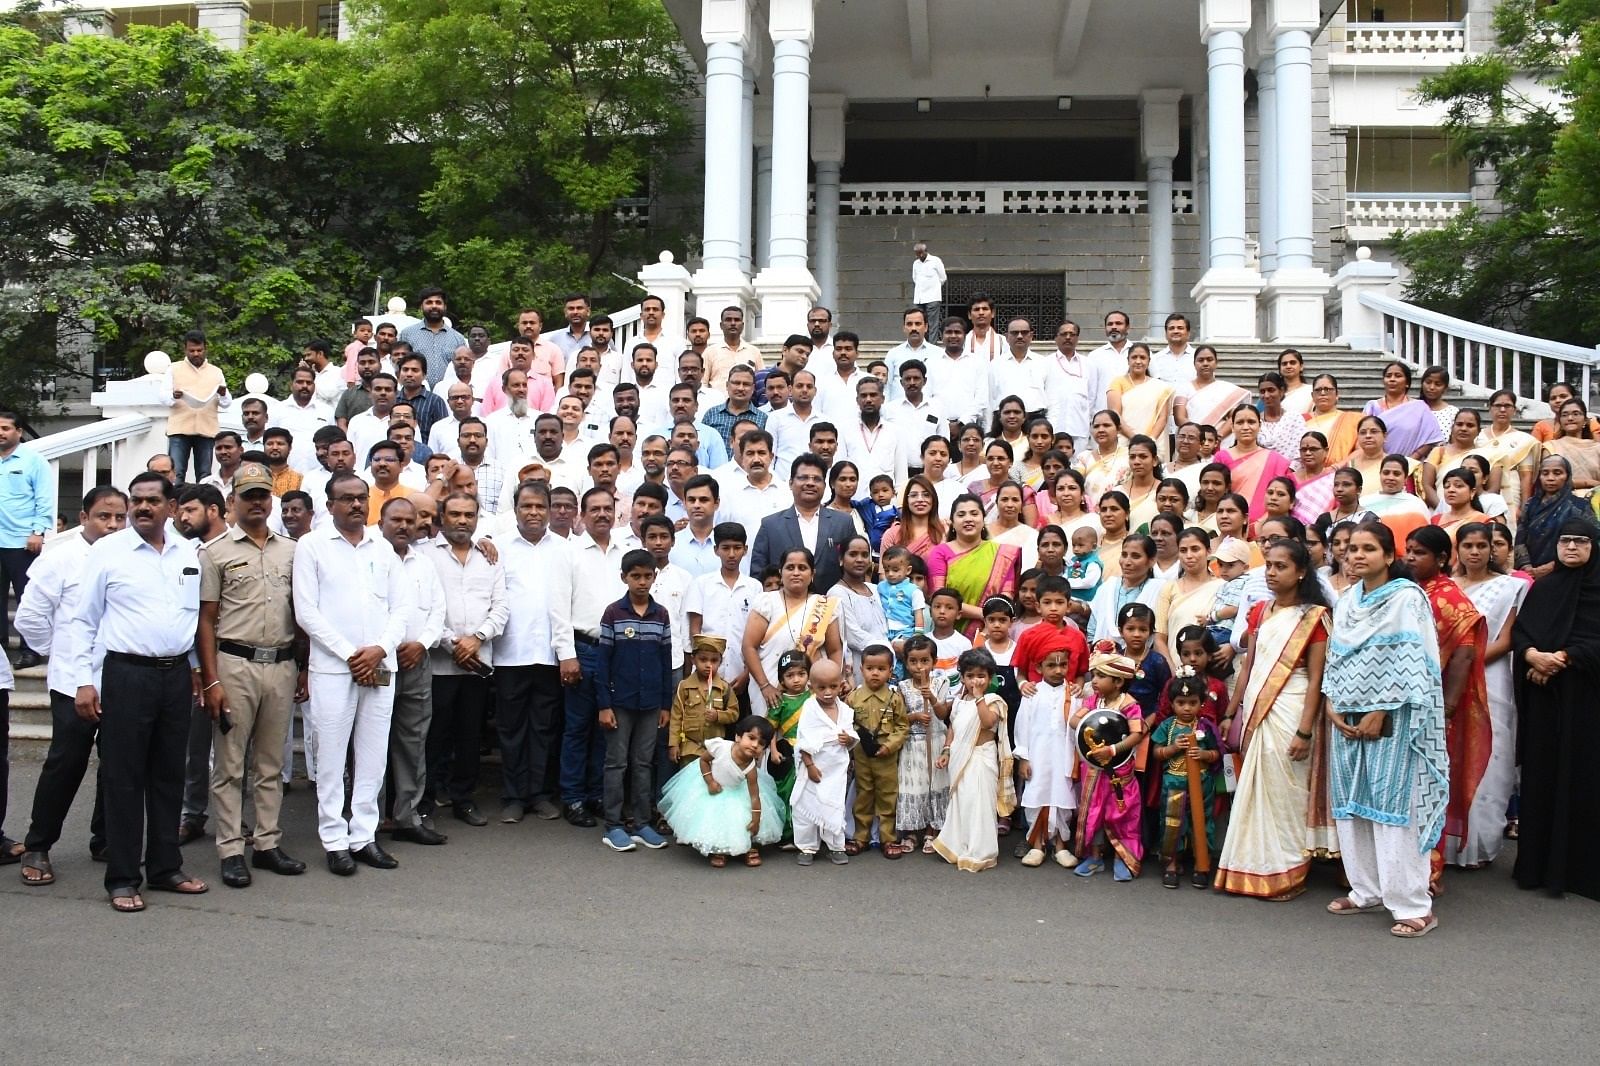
x=195 y=390
x=435 y=338
x=914 y=324
x=731 y=351
x=927 y=286
x=958 y=381
x=983 y=340
x=1019 y=372
x=575 y=310
x=302 y=415
x=27 y=513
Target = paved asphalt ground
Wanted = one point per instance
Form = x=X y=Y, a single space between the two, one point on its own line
x=534 y=943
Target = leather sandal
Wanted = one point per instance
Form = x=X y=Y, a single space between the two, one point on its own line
x=893 y=851
x=852 y=848
x=179 y=882
x=126 y=901
x=39 y=863
x=752 y=858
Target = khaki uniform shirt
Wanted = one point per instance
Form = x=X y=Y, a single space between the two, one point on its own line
x=883 y=714
x=696 y=718
x=251 y=587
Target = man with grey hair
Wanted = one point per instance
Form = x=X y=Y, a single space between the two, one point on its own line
x=927 y=282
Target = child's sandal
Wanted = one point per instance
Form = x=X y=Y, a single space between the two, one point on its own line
x=851 y=848
x=752 y=858
x=927 y=844
x=718 y=861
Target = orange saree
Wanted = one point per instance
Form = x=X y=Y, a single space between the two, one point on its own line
x=1468 y=731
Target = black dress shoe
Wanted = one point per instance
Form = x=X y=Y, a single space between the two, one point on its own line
x=468 y=812
x=99 y=852
x=420 y=834
x=190 y=830
x=234 y=872
x=375 y=857
x=278 y=861
x=341 y=863
x=576 y=815
x=28 y=660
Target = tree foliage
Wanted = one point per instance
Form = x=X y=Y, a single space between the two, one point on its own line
x=1531 y=111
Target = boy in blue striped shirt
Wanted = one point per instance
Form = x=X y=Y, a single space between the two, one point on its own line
x=634 y=683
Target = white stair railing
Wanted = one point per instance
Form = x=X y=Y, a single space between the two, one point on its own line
x=84 y=443
x=1481 y=359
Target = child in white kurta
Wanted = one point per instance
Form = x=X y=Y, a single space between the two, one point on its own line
x=1046 y=752
x=823 y=740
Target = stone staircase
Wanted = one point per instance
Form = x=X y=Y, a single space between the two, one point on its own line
x=30 y=703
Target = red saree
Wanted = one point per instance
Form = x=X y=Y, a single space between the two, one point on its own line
x=1468 y=732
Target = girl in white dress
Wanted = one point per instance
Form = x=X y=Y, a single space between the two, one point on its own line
x=977 y=753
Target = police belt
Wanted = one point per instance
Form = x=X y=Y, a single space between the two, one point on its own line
x=264 y=656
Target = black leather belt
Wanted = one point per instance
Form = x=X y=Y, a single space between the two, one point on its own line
x=264 y=656
x=584 y=638
x=154 y=662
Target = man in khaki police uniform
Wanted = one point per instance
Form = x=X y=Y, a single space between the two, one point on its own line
x=252 y=670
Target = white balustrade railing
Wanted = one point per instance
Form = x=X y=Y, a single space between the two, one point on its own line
x=84 y=444
x=1374 y=216
x=625 y=327
x=1481 y=359
x=1406 y=38
x=1006 y=198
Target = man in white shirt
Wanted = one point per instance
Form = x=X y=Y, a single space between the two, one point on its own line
x=876 y=446
x=652 y=311
x=958 y=381
x=654 y=408
x=475 y=610
x=50 y=599
x=984 y=339
x=1073 y=388
x=1019 y=372
x=750 y=498
x=913 y=412
x=596 y=558
x=1174 y=364
x=511 y=429
x=791 y=426
x=442 y=437
x=302 y=414
x=719 y=602
x=819 y=327
x=403 y=526
x=836 y=387
x=914 y=324
x=927 y=283
x=412 y=474
x=139 y=601
x=351 y=599
x=464 y=370
x=531 y=654
x=692 y=371
x=330 y=378
x=695 y=550
x=731 y=351
x=1112 y=356
x=341 y=459
x=372 y=425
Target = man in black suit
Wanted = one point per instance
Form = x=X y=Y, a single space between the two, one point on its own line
x=805 y=525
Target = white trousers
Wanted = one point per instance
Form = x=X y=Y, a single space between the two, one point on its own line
x=288 y=746
x=339 y=711
x=809 y=836
x=1060 y=827
x=1383 y=863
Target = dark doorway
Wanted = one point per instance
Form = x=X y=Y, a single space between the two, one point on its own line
x=1039 y=298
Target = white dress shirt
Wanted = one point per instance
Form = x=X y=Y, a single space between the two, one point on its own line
x=919 y=420
x=695 y=555
x=363 y=431
x=424 y=619
x=927 y=281
x=442 y=389
x=836 y=396
x=742 y=502
x=903 y=353
x=1010 y=377
x=654 y=410
x=349 y=596
x=133 y=599
x=723 y=611
x=596 y=581
x=538 y=628
x=883 y=451
x=791 y=436
x=1073 y=391
x=302 y=424
x=474 y=603
x=444 y=437
x=959 y=388
x=1175 y=368
x=50 y=599
x=1111 y=364
x=511 y=438
x=330 y=385
x=670 y=590
x=992 y=345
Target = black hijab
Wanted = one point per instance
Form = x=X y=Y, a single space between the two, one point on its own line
x=1562 y=609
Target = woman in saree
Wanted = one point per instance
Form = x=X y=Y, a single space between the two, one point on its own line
x=1069 y=512
x=1215 y=483
x=1497 y=596
x=1555 y=394
x=1172 y=497
x=1347 y=493
x=1339 y=427
x=1250 y=466
x=1512 y=453
x=1543 y=516
x=998 y=457
x=1007 y=424
x=972 y=564
x=1372 y=448
x=919 y=527
x=1114 y=529
x=1435 y=383
x=790 y=617
x=1144 y=403
x=1280 y=819
x=1388 y=768
x=1007 y=527
x=862 y=623
x=1144 y=477
x=1577 y=445
x=1463 y=641
x=1460 y=492
x=1410 y=423
x=1296 y=389
x=1280 y=430
x=1392 y=505
x=969 y=446
x=1187 y=599
x=1212 y=400
x=844 y=481
x=1040 y=436
x=1164 y=529
x=1135 y=583
x=1313 y=478
x=1279 y=498
x=1105 y=466
x=1556 y=663
x=1453 y=452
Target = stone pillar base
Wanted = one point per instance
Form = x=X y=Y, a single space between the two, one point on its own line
x=1227 y=300
x=786 y=294
x=1295 y=300
x=716 y=288
x=1361 y=326
x=668 y=280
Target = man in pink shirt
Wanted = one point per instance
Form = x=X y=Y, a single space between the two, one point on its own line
x=541 y=396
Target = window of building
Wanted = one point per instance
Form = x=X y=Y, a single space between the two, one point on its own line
x=1407 y=10
x=1402 y=161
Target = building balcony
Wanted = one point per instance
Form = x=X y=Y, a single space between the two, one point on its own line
x=1400 y=44
x=1374 y=217
x=1006 y=198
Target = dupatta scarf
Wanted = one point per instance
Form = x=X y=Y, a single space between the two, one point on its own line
x=1410 y=425
x=1544 y=515
x=1468 y=732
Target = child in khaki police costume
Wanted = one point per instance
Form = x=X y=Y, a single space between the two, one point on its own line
x=704 y=705
x=883 y=724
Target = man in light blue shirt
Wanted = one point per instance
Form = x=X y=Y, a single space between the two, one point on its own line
x=27 y=513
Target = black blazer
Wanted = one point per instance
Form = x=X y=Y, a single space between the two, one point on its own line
x=781 y=531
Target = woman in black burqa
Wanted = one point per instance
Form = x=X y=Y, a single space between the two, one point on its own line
x=1557 y=670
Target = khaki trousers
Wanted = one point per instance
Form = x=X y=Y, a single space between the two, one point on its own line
x=261 y=704
x=877 y=790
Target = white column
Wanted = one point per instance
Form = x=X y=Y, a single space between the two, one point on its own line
x=763 y=192
x=786 y=287
x=1228 y=290
x=1158 y=143
x=667 y=279
x=1296 y=292
x=720 y=282
x=827 y=154
x=1267 y=187
x=227 y=21
x=747 y=138
x=1360 y=326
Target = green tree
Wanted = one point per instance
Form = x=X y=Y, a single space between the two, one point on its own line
x=1531 y=111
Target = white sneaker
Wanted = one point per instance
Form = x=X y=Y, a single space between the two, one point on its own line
x=1035 y=857
x=1065 y=859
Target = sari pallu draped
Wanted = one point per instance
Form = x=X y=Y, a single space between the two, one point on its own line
x=1340 y=429
x=1101 y=473
x=1509 y=452
x=1251 y=473
x=1110 y=799
x=1410 y=425
x=1313 y=497
x=981 y=789
x=990 y=569
x=1582 y=455
x=1281 y=818
x=1468 y=729
x=1145 y=406
x=1211 y=404
x=804 y=628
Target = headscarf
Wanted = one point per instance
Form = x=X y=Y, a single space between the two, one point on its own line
x=1543 y=516
x=1558 y=603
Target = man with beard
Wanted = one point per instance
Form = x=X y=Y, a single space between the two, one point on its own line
x=433 y=337
x=819 y=327
x=277 y=446
x=653 y=460
x=330 y=378
x=652 y=312
x=575 y=311
x=302 y=414
x=140 y=602
x=731 y=351
x=356 y=400
x=511 y=428
x=549 y=362
x=875 y=446
x=539 y=394
x=427 y=407
x=791 y=427
x=201 y=518
x=472 y=443
x=653 y=392
x=227 y=451
x=836 y=388
x=1111 y=358
x=445 y=432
